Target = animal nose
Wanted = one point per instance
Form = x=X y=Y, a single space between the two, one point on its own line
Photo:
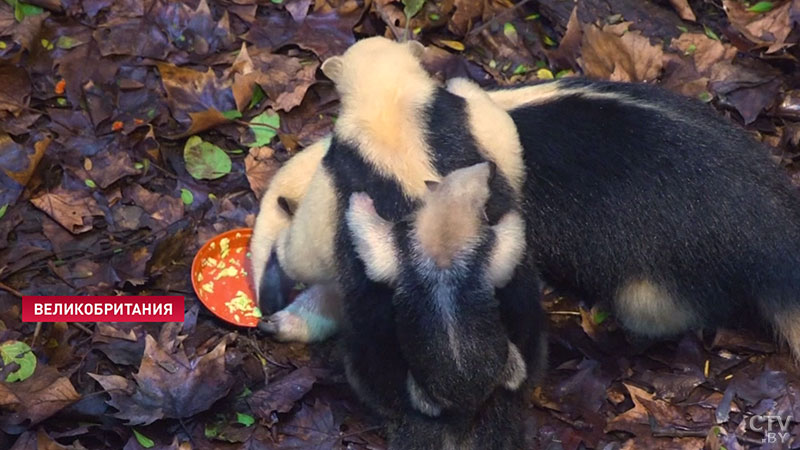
x=275 y=287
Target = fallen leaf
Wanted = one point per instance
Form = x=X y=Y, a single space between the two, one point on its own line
x=466 y=13
x=168 y=385
x=683 y=9
x=281 y=395
x=72 y=208
x=260 y=166
x=617 y=54
x=20 y=354
x=45 y=393
x=769 y=28
x=15 y=88
x=191 y=93
x=204 y=160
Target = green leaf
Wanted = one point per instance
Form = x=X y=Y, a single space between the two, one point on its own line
x=690 y=49
x=710 y=33
x=245 y=419
x=277 y=2
x=61 y=101
x=761 y=7
x=21 y=354
x=705 y=96
x=23 y=10
x=143 y=440
x=67 y=42
x=264 y=134
x=520 y=70
x=204 y=160
x=3 y=45
x=246 y=392
x=600 y=317
x=47 y=44
x=682 y=28
x=211 y=431
x=231 y=114
x=3 y=210
x=138 y=166
x=89 y=182
x=549 y=41
x=258 y=95
x=533 y=16
x=564 y=73
x=433 y=16
x=187 y=196
x=412 y=7
x=510 y=31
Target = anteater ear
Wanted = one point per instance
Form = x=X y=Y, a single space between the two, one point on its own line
x=288 y=206
x=332 y=68
x=416 y=47
x=432 y=185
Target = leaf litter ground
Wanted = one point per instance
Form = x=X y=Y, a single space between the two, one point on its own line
x=133 y=131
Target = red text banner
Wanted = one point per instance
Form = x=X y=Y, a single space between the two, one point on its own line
x=109 y=308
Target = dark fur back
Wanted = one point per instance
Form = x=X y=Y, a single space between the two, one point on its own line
x=670 y=191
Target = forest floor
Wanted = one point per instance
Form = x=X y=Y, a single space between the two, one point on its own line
x=98 y=99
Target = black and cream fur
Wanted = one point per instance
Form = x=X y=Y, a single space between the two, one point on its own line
x=444 y=263
x=396 y=130
x=655 y=204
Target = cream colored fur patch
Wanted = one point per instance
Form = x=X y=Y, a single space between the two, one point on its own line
x=291 y=182
x=450 y=219
x=648 y=309
x=372 y=236
x=515 y=371
x=515 y=98
x=305 y=250
x=509 y=247
x=787 y=324
x=494 y=130
x=384 y=90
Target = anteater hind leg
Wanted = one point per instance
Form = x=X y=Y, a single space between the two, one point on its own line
x=648 y=308
x=785 y=320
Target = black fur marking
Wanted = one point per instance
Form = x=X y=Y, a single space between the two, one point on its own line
x=454 y=147
x=422 y=327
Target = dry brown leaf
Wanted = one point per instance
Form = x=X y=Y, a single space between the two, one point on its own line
x=617 y=54
x=769 y=29
x=43 y=394
x=17 y=163
x=467 y=11
x=15 y=88
x=71 y=208
x=704 y=51
x=260 y=166
x=683 y=9
x=196 y=99
x=569 y=47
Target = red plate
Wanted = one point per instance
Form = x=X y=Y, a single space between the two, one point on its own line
x=220 y=278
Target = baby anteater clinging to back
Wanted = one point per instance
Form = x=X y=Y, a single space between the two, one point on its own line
x=445 y=263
